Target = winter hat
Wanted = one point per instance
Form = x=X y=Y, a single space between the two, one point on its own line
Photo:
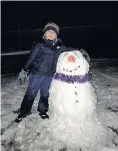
x=51 y=26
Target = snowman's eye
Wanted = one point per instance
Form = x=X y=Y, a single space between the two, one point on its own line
x=75 y=53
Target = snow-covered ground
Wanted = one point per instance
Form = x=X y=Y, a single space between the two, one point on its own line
x=105 y=81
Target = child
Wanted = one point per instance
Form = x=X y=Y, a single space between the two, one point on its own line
x=41 y=67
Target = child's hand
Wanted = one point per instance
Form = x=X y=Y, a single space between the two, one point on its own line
x=22 y=76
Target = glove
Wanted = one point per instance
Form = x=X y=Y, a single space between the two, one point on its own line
x=86 y=55
x=22 y=76
x=58 y=43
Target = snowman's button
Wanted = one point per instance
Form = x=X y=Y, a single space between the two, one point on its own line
x=76 y=101
x=75 y=87
x=76 y=93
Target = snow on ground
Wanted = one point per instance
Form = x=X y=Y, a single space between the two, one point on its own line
x=105 y=81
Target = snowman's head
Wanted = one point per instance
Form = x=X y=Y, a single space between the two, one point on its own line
x=72 y=63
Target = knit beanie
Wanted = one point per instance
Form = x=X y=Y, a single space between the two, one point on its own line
x=51 y=26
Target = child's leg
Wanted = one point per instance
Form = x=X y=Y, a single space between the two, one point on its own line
x=35 y=82
x=44 y=93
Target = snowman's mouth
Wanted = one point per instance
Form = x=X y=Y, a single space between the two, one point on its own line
x=75 y=69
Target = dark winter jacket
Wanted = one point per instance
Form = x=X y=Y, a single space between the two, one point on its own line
x=43 y=57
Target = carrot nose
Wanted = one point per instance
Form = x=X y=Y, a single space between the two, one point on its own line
x=71 y=59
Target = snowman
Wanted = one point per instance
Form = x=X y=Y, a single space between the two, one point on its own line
x=72 y=99
x=73 y=122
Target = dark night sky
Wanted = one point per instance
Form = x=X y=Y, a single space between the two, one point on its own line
x=34 y=15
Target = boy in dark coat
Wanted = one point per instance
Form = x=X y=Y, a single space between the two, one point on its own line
x=41 y=66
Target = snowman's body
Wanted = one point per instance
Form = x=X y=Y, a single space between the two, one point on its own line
x=73 y=106
x=77 y=100
x=73 y=122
